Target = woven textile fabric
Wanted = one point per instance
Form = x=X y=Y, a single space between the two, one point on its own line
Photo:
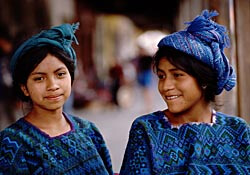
x=24 y=149
x=205 y=40
x=59 y=36
x=155 y=147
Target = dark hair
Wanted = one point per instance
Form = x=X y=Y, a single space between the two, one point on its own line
x=205 y=76
x=5 y=33
x=30 y=60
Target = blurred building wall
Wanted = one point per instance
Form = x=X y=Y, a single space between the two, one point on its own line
x=114 y=41
x=242 y=28
x=24 y=17
x=61 y=11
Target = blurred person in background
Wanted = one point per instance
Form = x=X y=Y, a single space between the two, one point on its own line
x=7 y=99
x=116 y=76
x=48 y=140
x=190 y=137
x=143 y=64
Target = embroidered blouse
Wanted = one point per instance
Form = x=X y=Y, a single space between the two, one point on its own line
x=24 y=149
x=155 y=147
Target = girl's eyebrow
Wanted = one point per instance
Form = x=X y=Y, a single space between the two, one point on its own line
x=174 y=69
x=43 y=73
x=36 y=73
x=170 y=70
x=159 y=70
x=60 y=68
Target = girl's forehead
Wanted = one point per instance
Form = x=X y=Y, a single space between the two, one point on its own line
x=49 y=62
x=165 y=63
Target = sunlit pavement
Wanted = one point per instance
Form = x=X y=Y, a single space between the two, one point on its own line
x=114 y=123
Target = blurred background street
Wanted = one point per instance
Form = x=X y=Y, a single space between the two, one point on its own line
x=114 y=123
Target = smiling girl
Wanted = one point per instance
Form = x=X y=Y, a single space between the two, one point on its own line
x=48 y=140
x=190 y=137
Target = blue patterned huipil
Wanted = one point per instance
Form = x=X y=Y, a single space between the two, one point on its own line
x=157 y=148
x=24 y=149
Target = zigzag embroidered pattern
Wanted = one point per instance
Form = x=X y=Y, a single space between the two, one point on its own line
x=24 y=149
x=155 y=147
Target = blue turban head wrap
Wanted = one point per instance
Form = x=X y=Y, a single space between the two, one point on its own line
x=59 y=36
x=205 y=40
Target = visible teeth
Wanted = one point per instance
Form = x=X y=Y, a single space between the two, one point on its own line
x=172 y=97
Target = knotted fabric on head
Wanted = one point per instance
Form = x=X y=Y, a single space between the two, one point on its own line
x=59 y=36
x=205 y=40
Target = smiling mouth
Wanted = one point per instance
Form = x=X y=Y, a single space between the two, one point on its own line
x=53 y=97
x=172 y=97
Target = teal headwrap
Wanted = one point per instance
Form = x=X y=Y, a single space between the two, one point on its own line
x=205 y=40
x=59 y=36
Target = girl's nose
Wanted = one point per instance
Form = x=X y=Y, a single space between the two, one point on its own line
x=52 y=84
x=168 y=84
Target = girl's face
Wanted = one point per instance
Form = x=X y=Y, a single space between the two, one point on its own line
x=179 y=90
x=49 y=84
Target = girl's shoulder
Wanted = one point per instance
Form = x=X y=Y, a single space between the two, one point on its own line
x=230 y=120
x=12 y=141
x=151 y=121
x=13 y=131
x=78 y=122
x=151 y=117
x=82 y=124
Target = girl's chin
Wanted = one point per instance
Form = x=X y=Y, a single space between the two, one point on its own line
x=175 y=110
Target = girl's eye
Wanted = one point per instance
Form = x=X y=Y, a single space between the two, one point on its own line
x=161 y=76
x=61 y=74
x=177 y=75
x=38 y=79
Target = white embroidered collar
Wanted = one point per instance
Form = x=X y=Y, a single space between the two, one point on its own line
x=193 y=123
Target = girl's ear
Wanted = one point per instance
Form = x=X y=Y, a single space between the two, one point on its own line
x=25 y=90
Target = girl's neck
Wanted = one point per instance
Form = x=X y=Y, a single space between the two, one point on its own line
x=51 y=122
x=202 y=114
x=44 y=116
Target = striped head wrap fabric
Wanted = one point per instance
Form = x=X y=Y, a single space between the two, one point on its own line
x=205 y=40
x=59 y=36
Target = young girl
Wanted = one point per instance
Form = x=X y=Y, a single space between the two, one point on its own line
x=47 y=140
x=190 y=137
